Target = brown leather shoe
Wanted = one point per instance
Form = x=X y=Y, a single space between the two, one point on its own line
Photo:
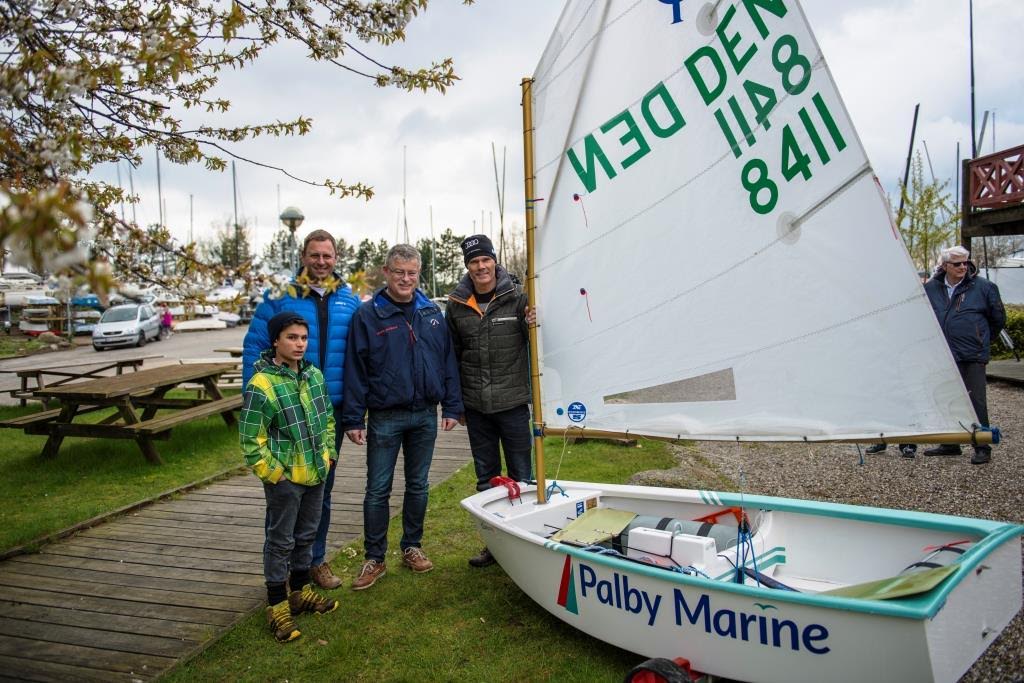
x=368 y=575
x=416 y=560
x=324 y=577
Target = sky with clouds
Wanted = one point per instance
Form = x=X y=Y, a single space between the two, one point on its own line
x=885 y=56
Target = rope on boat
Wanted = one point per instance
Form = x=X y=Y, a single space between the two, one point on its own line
x=555 y=485
x=601 y=550
x=744 y=538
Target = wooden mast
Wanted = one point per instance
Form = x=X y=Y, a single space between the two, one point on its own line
x=531 y=286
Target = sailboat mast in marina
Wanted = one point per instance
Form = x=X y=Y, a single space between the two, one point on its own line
x=723 y=180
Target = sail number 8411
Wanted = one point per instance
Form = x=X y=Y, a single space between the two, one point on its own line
x=764 y=192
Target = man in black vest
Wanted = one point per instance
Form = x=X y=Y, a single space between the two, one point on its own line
x=489 y=320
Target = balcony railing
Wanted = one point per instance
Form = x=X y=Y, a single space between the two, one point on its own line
x=997 y=179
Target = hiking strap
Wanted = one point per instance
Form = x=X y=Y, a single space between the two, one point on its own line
x=510 y=484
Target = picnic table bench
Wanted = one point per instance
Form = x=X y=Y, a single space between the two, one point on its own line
x=145 y=391
x=232 y=377
x=33 y=379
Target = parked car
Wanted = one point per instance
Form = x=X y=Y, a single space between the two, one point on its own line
x=126 y=325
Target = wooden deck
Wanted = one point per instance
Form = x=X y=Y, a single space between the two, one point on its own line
x=129 y=598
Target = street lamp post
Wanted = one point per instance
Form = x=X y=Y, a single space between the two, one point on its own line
x=292 y=218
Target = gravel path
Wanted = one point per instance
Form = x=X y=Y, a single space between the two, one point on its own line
x=832 y=472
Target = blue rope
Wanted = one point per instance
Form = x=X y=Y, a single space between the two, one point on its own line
x=554 y=485
x=601 y=550
x=689 y=570
x=745 y=542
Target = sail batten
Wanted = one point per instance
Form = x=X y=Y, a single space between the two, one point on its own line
x=727 y=196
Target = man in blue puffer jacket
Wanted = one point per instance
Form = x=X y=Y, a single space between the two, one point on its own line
x=323 y=299
x=971 y=314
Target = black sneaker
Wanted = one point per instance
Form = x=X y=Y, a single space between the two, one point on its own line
x=877 y=448
x=944 y=449
x=482 y=559
x=908 y=451
x=981 y=456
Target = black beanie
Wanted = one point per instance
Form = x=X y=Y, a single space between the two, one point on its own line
x=477 y=245
x=283 y=320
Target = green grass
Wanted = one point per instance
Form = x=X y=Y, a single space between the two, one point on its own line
x=18 y=346
x=454 y=623
x=94 y=476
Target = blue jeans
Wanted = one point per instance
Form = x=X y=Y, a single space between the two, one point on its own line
x=414 y=431
x=320 y=543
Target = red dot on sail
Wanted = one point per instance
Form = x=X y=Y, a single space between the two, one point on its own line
x=583 y=292
x=575 y=197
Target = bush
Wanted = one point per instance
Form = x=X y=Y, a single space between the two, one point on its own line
x=1015 y=327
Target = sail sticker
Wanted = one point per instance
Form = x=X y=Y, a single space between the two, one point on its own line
x=577 y=411
x=567 y=588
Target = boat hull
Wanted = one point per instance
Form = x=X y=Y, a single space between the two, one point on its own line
x=753 y=633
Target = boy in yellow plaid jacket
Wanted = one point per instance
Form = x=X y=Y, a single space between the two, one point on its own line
x=286 y=431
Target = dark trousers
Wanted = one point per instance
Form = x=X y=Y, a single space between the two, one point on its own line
x=491 y=433
x=973 y=375
x=293 y=512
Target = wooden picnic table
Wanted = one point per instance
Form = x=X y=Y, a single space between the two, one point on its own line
x=33 y=379
x=235 y=351
x=145 y=391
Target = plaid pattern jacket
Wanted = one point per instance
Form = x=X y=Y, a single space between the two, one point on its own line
x=287 y=423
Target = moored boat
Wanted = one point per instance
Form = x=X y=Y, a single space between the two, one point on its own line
x=829 y=592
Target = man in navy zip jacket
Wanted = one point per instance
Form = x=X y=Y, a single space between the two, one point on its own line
x=400 y=364
x=971 y=314
x=323 y=299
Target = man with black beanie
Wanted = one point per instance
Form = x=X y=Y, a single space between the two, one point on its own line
x=489 y=320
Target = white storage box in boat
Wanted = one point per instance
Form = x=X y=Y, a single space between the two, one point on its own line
x=684 y=549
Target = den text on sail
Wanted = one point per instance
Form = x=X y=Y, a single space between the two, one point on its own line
x=749 y=35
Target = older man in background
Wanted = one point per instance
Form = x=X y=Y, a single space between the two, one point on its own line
x=971 y=314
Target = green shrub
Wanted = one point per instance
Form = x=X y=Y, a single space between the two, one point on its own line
x=1015 y=327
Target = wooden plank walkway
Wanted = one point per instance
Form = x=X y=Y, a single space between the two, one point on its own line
x=127 y=599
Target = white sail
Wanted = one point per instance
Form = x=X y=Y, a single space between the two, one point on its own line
x=674 y=300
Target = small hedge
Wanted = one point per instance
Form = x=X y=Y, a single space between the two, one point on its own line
x=1015 y=327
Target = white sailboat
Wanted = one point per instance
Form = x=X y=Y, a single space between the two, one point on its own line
x=721 y=173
